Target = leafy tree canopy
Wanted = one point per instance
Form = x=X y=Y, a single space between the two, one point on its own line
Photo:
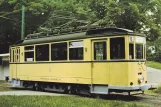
x=138 y=15
x=10 y=19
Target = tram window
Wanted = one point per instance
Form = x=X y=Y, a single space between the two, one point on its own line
x=131 y=51
x=13 y=55
x=76 y=50
x=139 y=51
x=29 y=56
x=144 y=52
x=100 y=51
x=10 y=55
x=117 y=48
x=18 y=55
x=29 y=48
x=42 y=52
x=76 y=54
x=59 y=51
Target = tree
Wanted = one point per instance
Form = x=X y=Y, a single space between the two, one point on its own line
x=137 y=15
x=10 y=18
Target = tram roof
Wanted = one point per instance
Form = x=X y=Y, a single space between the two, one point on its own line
x=90 y=33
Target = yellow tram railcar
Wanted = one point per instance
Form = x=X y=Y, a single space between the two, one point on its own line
x=95 y=61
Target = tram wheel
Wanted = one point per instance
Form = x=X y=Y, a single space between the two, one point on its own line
x=36 y=87
x=97 y=96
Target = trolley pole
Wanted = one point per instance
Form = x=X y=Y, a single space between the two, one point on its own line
x=23 y=22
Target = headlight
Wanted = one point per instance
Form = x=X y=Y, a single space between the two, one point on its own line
x=141 y=79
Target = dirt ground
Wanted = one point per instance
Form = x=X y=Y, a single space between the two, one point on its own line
x=151 y=100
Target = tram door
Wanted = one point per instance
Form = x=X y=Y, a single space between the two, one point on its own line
x=100 y=67
x=15 y=58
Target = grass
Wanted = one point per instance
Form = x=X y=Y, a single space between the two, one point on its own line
x=67 y=101
x=158 y=90
x=156 y=65
x=153 y=64
x=4 y=86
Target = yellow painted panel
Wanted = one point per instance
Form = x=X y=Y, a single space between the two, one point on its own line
x=111 y=73
x=118 y=73
x=62 y=79
x=13 y=71
x=100 y=72
x=126 y=47
x=22 y=54
x=134 y=69
x=64 y=71
x=87 y=50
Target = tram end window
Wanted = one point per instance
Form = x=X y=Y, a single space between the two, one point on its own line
x=144 y=51
x=100 y=51
x=131 y=51
x=29 y=48
x=117 y=48
x=29 y=56
x=76 y=50
x=11 y=55
x=139 y=51
x=42 y=52
x=59 y=51
x=29 y=53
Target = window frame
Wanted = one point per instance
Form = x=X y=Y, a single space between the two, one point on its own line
x=29 y=51
x=133 y=51
x=142 y=51
x=124 y=47
x=51 y=51
x=74 y=48
x=35 y=58
x=106 y=51
x=141 y=41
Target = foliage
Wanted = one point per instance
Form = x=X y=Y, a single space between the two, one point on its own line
x=49 y=101
x=10 y=19
x=36 y=6
x=153 y=64
x=157 y=55
x=138 y=15
x=158 y=90
x=141 y=16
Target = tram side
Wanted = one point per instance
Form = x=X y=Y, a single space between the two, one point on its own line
x=94 y=65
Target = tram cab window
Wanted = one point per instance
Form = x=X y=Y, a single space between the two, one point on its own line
x=100 y=51
x=139 y=51
x=117 y=48
x=29 y=53
x=10 y=55
x=144 y=52
x=13 y=56
x=29 y=56
x=131 y=51
x=42 y=52
x=76 y=50
x=59 y=51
